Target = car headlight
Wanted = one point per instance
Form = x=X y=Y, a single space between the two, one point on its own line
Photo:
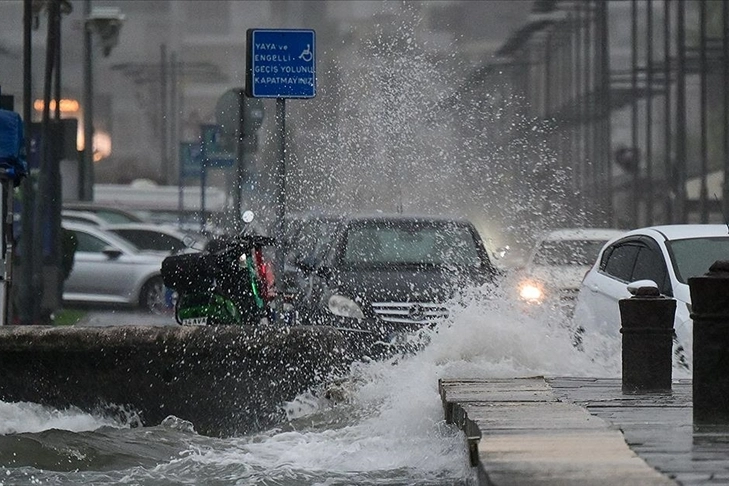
x=344 y=306
x=531 y=291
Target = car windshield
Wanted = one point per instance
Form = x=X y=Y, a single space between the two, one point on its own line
x=568 y=252
x=693 y=257
x=312 y=238
x=418 y=243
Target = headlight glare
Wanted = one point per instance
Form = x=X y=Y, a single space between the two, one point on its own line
x=531 y=291
x=340 y=305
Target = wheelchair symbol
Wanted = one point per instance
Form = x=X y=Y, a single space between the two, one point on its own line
x=306 y=55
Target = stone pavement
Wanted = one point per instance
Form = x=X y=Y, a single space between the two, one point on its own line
x=583 y=431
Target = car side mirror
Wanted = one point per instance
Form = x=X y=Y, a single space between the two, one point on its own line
x=111 y=252
x=643 y=288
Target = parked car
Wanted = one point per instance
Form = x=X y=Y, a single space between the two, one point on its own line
x=154 y=237
x=108 y=214
x=109 y=270
x=82 y=217
x=384 y=275
x=667 y=255
x=556 y=265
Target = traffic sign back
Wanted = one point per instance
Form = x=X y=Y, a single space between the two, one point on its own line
x=281 y=63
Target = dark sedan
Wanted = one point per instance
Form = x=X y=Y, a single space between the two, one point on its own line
x=382 y=275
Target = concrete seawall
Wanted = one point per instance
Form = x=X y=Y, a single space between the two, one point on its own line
x=225 y=380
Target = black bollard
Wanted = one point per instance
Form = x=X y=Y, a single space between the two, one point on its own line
x=710 y=315
x=647 y=329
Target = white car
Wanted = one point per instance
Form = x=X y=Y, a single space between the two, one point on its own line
x=557 y=264
x=667 y=255
x=109 y=270
x=81 y=217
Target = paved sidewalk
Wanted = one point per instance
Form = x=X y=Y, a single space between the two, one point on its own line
x=564 y=431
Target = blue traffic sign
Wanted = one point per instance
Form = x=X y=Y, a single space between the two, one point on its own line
x=191 y=163
x=281 y=63
x=213 y=154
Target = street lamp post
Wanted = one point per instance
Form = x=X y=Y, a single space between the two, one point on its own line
x=106 y=22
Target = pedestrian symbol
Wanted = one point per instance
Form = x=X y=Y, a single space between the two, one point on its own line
x=306 y=56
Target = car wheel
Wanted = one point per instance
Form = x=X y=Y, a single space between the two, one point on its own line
x=152 y=297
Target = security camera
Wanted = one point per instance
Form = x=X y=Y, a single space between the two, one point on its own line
x=106 y=22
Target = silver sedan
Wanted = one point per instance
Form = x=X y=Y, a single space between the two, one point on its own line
x=109 y=270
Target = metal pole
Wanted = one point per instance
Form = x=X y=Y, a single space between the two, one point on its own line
x=578 y=102
x=203 y=177
x=598 y=142
x=725 y=84
x=547 y=105
x=634 y=110
x=648 y=186
x=681 y=210
x=565 y=134
x=595 y=83
x=87 y=167
x=669 y=162
x=42 y=204
x=607 y=112
x=240 y=164
x=8 y=247
x=180 y=194
x=54 y=194
x=164 y=133
x=569 y=99
x=57 y=84
x=280 y=199
x=26 y=241
x=174 y=118
x=180 y=168
x=586 y=106
x=703 y=199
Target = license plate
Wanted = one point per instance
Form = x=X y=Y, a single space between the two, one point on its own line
x=195 y=321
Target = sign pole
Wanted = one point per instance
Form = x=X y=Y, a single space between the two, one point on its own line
x=280 y=199
x=281 y=63
x=203 y=172
x=6 y=232
x=180 y=184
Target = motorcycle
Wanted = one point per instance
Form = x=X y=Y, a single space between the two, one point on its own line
x=229 y=283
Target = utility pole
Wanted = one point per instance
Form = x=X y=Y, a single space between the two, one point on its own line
x=25 y=288
x=164 y=131
x=680 y=180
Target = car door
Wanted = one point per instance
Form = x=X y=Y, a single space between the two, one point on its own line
x=98 y=276
x=605 y=285
x=651 y=265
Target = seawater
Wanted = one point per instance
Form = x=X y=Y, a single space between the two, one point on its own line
x=382 y=423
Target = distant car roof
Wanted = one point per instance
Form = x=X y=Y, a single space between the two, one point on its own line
x=150 y=226
x=683 y=231
x=583 y=234
x=104 y=211
x=404 y=217
x=82 y=217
